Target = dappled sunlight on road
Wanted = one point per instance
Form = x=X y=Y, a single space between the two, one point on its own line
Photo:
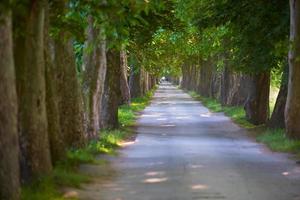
x=199 y=187
x=155 y=180
x=195 y=166
x=157 y=173
x=183 y=152
x=167 y=125
x=161 y=119
x=209 y=114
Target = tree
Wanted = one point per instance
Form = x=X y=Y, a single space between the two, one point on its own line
x=94 y=75
x=109 y=110
x=70 y=101
x=9 y=142
x=257 y=103
x=244 y=22
x=292 y=109
x=125 y=91
x=30 y=70
x=277 y=119
x=57 y=145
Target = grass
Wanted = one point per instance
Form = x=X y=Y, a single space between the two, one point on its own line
x=66 y=174
x=276 y=140
x=128 y=113
x=236 y=113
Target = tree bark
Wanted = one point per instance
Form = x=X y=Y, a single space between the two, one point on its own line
x=135 y=82
x=215 y=84
x=125 y=91
x=70 y=99
x=94 y=77
x=225 y=85
x=257 y=103
x=234 y=88
x=57 y=145
x=145 y=85
x=292 y=110
x=30 y=69
x=184 y=76
x=277 y=118
x=206 y=78
x=110 y=101
x=9 y=143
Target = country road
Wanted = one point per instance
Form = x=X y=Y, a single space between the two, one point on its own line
x=184 y=152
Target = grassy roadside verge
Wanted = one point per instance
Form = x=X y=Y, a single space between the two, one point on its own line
x=236 y=113
x=275 y=139
x=66 y=174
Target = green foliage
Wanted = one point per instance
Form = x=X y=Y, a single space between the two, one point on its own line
x=276 y=140
x=126 y=116
x=78 y=50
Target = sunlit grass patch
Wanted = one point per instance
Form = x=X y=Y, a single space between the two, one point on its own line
x=276 y=140
x=212 y=104
x=238 y=115
x=126 y=116
x=127 y=113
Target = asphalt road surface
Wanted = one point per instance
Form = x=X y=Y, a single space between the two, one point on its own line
x=185 y=152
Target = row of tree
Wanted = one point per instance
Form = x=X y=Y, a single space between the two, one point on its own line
x=237 y=50
x=66 y=66
x=64 y=70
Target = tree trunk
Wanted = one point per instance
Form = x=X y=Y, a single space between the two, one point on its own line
x=206 y=78
x=292 y=110
x=9 y=143
x=215 y=84
x=30 y=68
x=57 y=145
x=144 y=81
x=125 y=91
x=234 y=88
x=94 y=77
x=225 y=85
x=70 y=99
x=135 y=82
x=277 y=118
x=110 y=101
x=257 y=103
x=184 y=76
